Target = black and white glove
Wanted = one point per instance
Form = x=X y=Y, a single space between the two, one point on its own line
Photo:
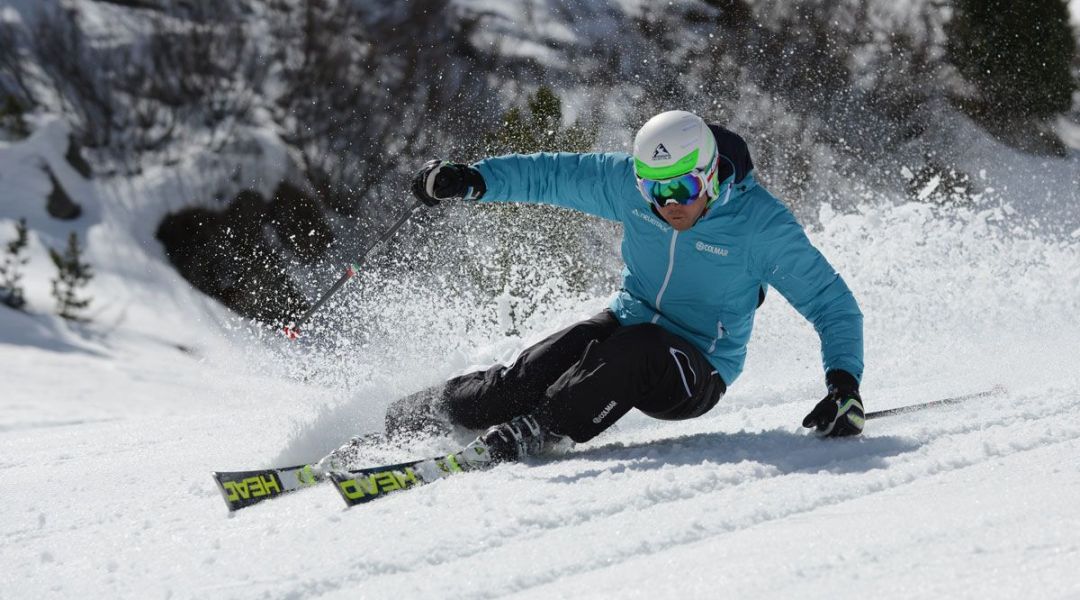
x=841 y=412
x=442 y=180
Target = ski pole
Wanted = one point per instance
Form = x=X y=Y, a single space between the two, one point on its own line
x=996 y=390
x=292 y=330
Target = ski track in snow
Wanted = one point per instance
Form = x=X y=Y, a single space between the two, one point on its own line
x=539 y=529
x=662 y=499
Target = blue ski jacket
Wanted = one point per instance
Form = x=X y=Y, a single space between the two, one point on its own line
x=705 y=283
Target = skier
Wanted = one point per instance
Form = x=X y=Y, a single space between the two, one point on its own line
x=702 y=243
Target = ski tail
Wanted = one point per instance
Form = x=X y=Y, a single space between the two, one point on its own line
x=997 y=390
x=245 y=488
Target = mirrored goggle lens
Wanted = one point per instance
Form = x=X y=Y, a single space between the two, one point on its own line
x=684 y=189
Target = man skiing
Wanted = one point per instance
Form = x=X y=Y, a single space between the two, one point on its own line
x=702 y=243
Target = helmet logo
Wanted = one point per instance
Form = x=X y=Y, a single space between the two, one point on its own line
x=661 y=153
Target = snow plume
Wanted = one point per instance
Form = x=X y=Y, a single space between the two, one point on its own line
x=956 y=299
x=458 y=289
x=960 y=293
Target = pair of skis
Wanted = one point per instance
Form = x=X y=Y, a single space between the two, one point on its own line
x=245 y=488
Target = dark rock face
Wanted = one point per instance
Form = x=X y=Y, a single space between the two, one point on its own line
x=243 y=254
x=75 y=158
x=60 y=205
x=299 y=223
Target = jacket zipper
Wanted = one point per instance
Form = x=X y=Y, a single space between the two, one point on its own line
x=667 y=278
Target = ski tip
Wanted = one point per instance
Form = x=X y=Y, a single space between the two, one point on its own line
x=291 y=332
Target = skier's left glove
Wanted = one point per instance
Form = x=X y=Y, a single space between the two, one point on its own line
x=442 y=180
x=841 y=412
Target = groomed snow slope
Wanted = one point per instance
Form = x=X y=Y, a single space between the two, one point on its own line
x=106 y=445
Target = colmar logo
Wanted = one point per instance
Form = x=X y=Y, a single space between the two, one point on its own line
x=703 y=247
x=661 y=153
x=604 y=413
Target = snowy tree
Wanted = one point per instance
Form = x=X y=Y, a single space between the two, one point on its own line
x=11 y=292
x=540 y=129
x=14 y=75
x=72 y=275
x=11 y=118
x=532 y=234
x=361 y=87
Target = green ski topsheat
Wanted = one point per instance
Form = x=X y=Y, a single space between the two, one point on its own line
x=244 y=488
x=364 y=485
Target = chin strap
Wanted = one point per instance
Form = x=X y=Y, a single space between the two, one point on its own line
x=708 y=205
x=727 y=192
x=727 y=197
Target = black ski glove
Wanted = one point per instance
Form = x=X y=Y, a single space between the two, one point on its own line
x=841 y=412
x=441 y=180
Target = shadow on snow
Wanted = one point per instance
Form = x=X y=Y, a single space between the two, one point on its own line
x=786 y=451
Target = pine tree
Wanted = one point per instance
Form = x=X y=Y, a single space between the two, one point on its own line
x=1017 y=55
x=11 y=292
x=540 y=129
x=533 y=234
x=11 y=118
x=73 y=274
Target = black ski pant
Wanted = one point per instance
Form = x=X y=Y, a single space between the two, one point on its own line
x=576 y=382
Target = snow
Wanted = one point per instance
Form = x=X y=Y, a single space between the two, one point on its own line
x=109 y=430
x=1045 y=189
x=107 y=493
x=929 y=188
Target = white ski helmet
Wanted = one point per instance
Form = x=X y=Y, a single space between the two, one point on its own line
x=675 y=143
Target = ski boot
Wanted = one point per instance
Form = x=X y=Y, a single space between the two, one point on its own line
x=519 y=438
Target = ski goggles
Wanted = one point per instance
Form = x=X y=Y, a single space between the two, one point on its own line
x=684 y=189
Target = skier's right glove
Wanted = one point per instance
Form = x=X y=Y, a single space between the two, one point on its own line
x=841 y=412
x=442 y=180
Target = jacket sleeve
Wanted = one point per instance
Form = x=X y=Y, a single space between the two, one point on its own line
x=590 y=183
x=783 y=256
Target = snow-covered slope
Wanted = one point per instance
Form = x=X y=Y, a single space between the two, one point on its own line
x=106 y=446
x=109 y=430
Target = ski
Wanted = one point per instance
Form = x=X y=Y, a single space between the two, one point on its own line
x=360 y=486
x=997 y=390
x=245 y=488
